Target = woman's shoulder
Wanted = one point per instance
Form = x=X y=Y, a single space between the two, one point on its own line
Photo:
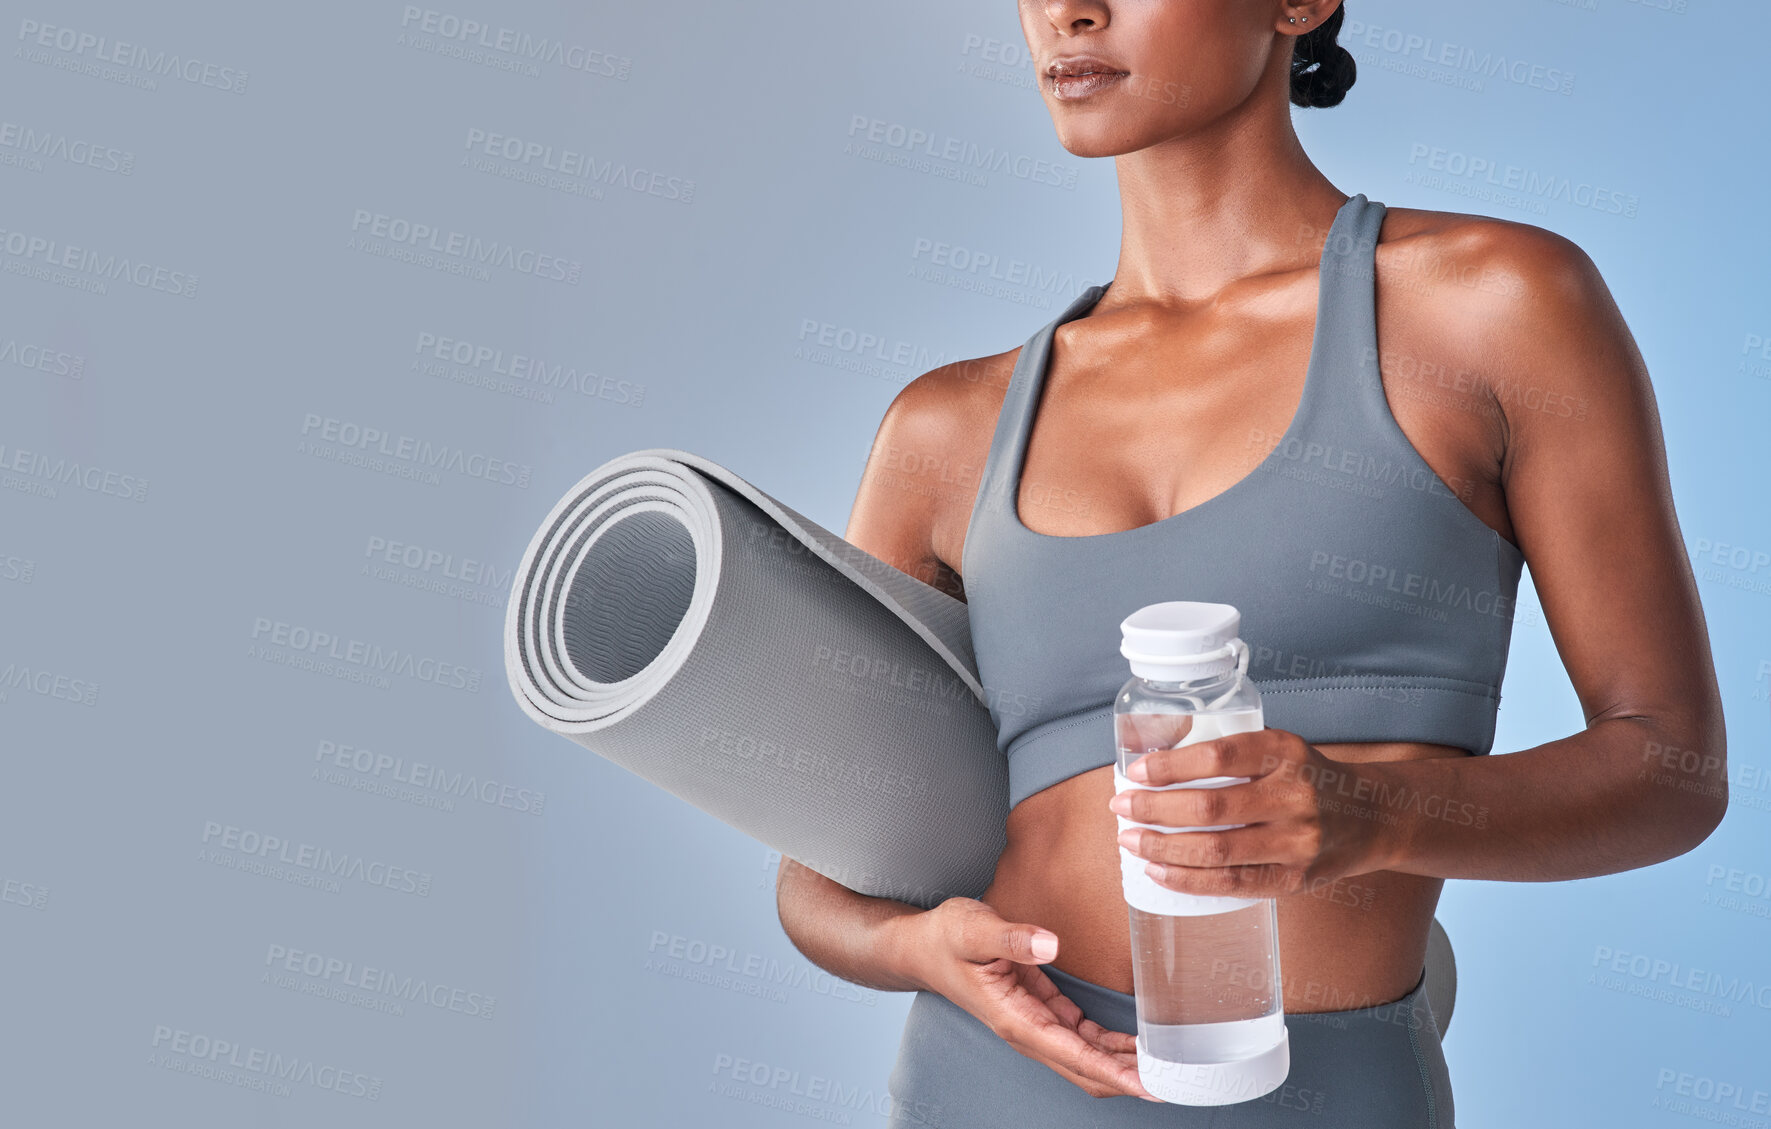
x=949 y=412
x=957 y=390
x=1482 y=254
x=1505 y=300
x=926 y=465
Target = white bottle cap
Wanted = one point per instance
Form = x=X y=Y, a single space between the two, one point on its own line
x=1181 y=639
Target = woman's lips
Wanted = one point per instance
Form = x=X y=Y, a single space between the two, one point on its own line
x=1069 y=87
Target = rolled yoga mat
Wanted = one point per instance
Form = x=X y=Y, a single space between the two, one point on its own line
x=674 y=619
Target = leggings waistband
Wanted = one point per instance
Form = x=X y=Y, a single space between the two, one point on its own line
x=1117 y=1011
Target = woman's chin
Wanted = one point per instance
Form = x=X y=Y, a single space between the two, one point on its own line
x=1094 y=143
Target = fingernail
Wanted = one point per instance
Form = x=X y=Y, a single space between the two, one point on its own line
x=1155 y=870
x=1045 y=946
x=1120 y=805
x=1129 y=839
x=1137 y=771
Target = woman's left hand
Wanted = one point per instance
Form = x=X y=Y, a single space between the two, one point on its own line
x=1309 y=819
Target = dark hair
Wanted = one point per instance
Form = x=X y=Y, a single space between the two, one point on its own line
x=1321 y=70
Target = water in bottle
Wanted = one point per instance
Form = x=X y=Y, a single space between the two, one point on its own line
x=1205 y=971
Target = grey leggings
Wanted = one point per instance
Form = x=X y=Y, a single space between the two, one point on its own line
x=1369 y=1068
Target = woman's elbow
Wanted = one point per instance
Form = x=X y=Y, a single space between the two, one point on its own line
x=1688 y=788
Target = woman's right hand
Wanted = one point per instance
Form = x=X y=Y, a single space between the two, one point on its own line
x=964 y=950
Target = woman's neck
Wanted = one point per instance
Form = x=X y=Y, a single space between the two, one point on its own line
x=1199 y=212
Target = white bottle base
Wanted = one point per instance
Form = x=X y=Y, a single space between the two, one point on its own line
x=1215 y=1083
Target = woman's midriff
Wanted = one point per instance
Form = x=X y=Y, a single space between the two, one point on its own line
x=1351 y=943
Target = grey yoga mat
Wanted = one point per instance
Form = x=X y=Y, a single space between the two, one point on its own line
x=674 y=619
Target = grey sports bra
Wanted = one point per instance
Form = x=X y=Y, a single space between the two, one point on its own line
x=1376 y=605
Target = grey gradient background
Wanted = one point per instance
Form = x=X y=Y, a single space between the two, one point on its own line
x=738 y=274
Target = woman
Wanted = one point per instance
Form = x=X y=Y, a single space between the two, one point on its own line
x=1356 y=424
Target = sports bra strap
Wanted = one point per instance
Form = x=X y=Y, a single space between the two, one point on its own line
x=1345 y=392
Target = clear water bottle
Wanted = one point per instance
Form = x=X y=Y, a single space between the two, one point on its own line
x=1205 y=970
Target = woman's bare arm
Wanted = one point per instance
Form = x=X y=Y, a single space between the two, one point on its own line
x=1591 y=503
x=1585 y=480
x=848 y=934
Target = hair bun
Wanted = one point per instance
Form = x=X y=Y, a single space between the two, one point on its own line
x=1322 y=71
